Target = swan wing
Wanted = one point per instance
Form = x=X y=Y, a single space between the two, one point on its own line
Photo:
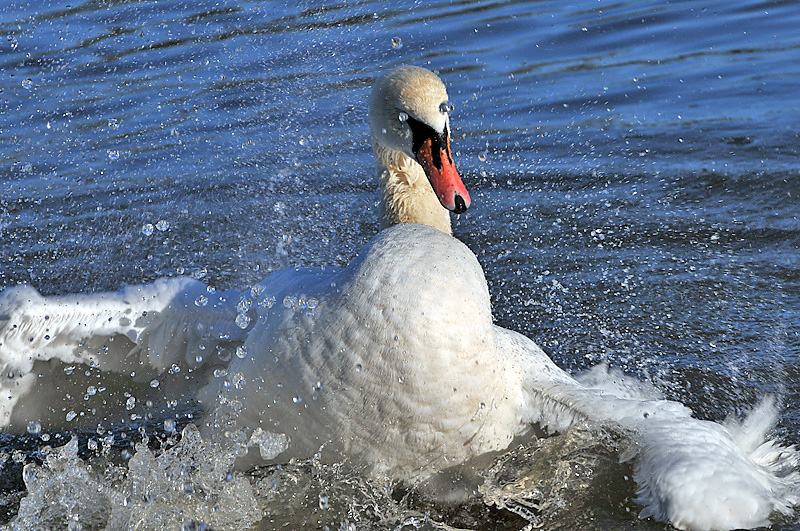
x=698 y=475
x=155 y=325
x=692 y=473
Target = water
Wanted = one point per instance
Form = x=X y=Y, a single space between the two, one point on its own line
x=634 y=176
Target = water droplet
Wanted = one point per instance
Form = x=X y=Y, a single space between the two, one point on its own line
x=27 y=83
x=147 y=229
x=113 y=154
x=199 y=359
x=34 y=427
x=445 y=107
x=242 y=320
x=153 y=383
x=316 y=386
x=71 y=415
x=130 y=403
x=383 y=131
x=223 y=354
x=244 y=304
x=267 y=302
x=113 y=123
x=91 y=444
x=29 y=475
x=256 y=291
x=402 y=117
x=359 y=368
x=91 y=390
x=162 y=225
x=270 y=445
x=26 y=168
x=201 y=300
x=297 y=399
x=397 y=43
x=323 y=501
x=169 y=425
x=199 y=274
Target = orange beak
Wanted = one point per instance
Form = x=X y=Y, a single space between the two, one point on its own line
x=438 y=165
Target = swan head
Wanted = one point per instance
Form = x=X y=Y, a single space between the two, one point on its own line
x=409 y=114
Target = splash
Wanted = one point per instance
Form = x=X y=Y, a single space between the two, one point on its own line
x=191 y=485
x=561 y=482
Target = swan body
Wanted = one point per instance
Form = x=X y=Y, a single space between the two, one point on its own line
x=408 y=380
x=393 y=363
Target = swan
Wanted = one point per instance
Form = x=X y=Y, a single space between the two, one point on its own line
x=393 y=363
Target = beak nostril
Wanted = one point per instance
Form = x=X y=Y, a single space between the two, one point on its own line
x=460 y=205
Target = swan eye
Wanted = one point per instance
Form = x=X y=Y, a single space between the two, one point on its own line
x=445 y=107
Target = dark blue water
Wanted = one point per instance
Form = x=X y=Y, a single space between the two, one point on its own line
x=633 y=166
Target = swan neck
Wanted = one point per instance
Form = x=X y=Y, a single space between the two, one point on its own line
x=406 y=194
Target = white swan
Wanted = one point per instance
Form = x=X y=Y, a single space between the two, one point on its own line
x=393 y=363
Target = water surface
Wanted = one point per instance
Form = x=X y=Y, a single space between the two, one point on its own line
x=633 y=169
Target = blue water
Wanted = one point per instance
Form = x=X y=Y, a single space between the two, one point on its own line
x=633 y=165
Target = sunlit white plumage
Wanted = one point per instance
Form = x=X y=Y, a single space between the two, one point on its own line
x=393 y=363
x=409 y=380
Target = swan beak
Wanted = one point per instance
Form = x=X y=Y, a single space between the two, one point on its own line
x=435 y=159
